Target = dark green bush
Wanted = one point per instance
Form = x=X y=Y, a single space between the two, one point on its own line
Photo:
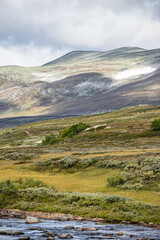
x=155 y=126
x=73 y=130
x=114 y=181
x=8 y=193
x=50 y=139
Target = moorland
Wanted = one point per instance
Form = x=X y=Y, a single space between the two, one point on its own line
x=109 y=169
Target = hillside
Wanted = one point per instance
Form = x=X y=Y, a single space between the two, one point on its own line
x=81 y=83
x=109 y=170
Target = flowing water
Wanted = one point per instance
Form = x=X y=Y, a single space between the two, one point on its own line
x=104 y=231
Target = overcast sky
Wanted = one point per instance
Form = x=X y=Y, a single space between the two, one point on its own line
x=33 y=32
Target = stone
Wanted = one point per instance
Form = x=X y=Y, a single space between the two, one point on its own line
x=143 y=239
x=24 y=238
x=120 y=233
x=91 y=229
x=107 y=235
x=69 y=227
x=51 y=234
x=132 y=235
x=11 y=232
x=111 y=229
x=50 y=238
x=31 y=220
x=126 y=222
x=65 y=236
x=80 y=229
x=64 y=218
x=92 y=234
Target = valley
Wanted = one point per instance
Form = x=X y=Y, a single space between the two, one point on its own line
x=116 y=159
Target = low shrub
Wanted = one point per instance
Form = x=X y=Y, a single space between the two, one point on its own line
x=73 y=130
x=85 y=162
x=49 y=139
x=68 y=162
x=138 y=174
x=8 y=193
x=155 y=125
x=111 y=207
x=118 y=180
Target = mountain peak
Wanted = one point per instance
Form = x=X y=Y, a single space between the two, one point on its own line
x=82 y=82
x=81 y=53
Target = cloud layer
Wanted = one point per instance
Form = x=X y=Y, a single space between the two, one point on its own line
x=37 y=31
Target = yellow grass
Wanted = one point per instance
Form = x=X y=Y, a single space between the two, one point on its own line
x=124 y=152
x=90 y=180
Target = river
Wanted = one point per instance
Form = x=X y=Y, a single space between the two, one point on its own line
x=60 y=228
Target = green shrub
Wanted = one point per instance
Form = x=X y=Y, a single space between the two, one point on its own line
x=73 y=130
x=85 y=162
x=155 y=126
x=8 y=193
x=68 y=162
x=49 y=139
x=25 y=206
x=118 y=180
x=138 y=174
x=116 y=198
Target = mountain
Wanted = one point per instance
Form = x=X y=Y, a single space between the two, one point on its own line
x=82 y=82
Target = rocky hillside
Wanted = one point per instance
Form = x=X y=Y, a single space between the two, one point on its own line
x=82 y=82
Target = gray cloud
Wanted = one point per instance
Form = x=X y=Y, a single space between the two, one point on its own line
x=53 y=27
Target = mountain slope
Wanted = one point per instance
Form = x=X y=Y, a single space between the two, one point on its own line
x=82 y=82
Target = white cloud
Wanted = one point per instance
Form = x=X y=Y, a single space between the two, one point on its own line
x=28 y=55
x=75 y=24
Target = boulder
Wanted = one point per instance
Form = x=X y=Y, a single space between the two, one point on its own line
x=50 y=238
x=65 y=236
x=24 y=238
x=120 y=233
x=11 y=232
x=91 y=229
x=69 y=227
x=80 y=229
x=32 y=220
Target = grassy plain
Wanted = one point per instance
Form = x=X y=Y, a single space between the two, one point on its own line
x=126 y=140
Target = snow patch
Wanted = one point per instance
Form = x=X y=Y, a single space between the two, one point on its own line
x=134 y=72
x=47 y=77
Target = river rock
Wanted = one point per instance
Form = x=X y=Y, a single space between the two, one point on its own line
x=143 y=239
x=126 y=222
x=51 y=234
x=111 y=229
x=32 y=220
x=120 y=233
x=91 y=229
x=80 y=229
x=65 y=217
x=107 y=235
x=50 y=238
x=65 y=236
x=11 y=232
x=24 y=238
x=69 y=227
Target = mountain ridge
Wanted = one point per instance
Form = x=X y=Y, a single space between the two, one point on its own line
x=82 y=82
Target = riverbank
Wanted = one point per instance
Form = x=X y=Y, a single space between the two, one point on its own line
x=16 y=213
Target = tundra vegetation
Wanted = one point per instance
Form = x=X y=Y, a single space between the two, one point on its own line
x=103 y=165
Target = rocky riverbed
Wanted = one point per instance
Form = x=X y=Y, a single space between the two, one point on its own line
x=18 y=229
x=67 y=227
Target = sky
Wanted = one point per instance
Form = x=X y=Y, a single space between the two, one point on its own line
x=33 y=32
